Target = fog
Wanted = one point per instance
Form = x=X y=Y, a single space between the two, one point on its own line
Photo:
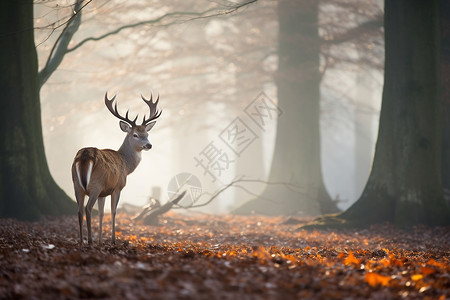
x=208 y=73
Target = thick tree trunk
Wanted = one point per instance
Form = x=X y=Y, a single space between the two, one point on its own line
x=27 y=189
x=445 y=84
x=296 y=157
x=404 y=186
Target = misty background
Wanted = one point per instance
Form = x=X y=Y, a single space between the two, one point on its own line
x=207 y=71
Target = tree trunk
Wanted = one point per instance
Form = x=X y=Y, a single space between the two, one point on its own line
x=296 y=157
x=445 y=84
x=27 y=189
x=404 y=186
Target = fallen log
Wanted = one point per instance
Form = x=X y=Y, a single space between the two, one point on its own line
x=151 y=212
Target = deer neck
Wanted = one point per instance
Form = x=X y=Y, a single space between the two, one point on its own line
x=131 y=157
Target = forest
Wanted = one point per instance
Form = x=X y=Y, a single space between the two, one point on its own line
x=265 y=149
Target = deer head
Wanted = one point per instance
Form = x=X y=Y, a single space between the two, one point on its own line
x=137 y=135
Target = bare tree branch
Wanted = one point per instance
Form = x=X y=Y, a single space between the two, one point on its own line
x=59 y=49
x=354 y=33
x=212 y=12
x=54 y=28
x=233 y=184
x=150 y=213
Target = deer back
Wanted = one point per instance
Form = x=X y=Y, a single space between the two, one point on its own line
x=99 y=171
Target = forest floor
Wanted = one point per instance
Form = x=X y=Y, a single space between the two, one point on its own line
x=221 y=257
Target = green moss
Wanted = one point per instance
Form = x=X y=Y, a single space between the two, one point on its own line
x=332 y=221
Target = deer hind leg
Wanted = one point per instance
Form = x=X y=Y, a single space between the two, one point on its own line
x=92 y=199
x=101 y=206
x=79 y=195
x=114 y=201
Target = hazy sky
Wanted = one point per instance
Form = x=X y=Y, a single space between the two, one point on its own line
x=207 y=72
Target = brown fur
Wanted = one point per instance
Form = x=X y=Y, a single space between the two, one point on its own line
x=107 y=172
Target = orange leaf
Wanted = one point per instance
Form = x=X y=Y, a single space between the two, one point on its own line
x=417 y=277
x=427 y=270
x=351 y=259
x=432 y=262
x=385 y=262
x=291 y=258
x=393 y=261
x=374 y=279
x=262 y=253
x=396 y=262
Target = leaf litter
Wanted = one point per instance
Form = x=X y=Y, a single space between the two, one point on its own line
x=221 y=257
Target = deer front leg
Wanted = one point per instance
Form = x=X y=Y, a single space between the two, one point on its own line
x=101 y=206
x=114 y=201
x=92 y=199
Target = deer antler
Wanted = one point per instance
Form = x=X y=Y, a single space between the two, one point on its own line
x=154 y=113
x=115 y=113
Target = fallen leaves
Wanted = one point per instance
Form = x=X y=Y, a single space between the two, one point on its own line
x=375 y=279
x=261 y=254
x=206 y=257
x=417 y=277
x=351 y=259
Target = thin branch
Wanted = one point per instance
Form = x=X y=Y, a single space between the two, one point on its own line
x=195 y=16
x=76 y=12
x=59 y=49
x=354 y=33
x=233 y=184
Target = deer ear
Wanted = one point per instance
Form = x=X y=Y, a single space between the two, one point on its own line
x=125 y=126
x=150 y=126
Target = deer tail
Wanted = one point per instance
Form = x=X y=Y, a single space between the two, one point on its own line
x=84 y=163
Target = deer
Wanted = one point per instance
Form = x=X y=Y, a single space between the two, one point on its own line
x=98 y=173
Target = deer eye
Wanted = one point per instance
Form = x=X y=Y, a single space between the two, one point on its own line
x=135 y=135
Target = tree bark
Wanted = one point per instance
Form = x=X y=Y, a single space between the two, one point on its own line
x=296 y=157
x=27 y=189
x=404 y=186
x=445 y=96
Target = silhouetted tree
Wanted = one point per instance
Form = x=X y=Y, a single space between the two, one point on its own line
x=404 y=186
x=27 y=190
x=296 y=158
x=445 y=83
